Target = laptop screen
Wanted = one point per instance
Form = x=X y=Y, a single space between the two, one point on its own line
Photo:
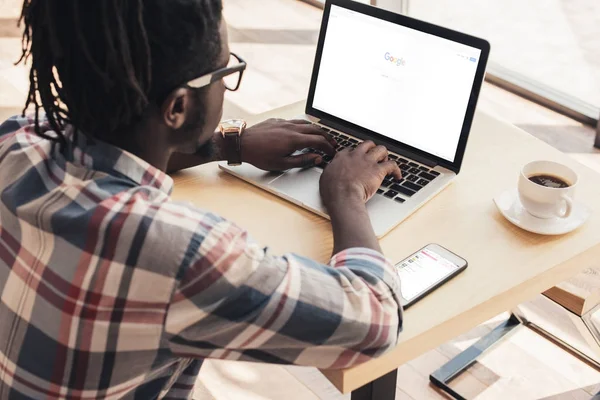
x=408 y=85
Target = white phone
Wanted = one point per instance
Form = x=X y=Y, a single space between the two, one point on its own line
x=426 y=270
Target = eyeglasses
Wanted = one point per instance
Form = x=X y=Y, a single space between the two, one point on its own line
x=231 y=75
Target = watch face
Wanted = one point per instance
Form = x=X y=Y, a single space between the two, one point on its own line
x=232 y=124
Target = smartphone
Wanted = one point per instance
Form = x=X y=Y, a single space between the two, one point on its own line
x=426 y=270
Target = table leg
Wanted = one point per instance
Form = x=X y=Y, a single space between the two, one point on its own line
x=442 y=377
x=383 y=388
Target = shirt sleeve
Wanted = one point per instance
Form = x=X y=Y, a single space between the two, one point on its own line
x=236 y=301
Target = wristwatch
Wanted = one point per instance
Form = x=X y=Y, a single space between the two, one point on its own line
x=232 y=131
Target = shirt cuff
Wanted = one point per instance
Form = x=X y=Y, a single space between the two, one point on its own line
x=370 y=265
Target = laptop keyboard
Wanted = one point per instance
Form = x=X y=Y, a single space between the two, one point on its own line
x=414 y=176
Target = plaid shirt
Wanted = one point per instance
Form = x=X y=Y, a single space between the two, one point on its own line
x=111 y=290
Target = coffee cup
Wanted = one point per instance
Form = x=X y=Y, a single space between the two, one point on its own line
x=546 y=189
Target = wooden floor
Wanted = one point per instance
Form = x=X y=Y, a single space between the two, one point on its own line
x=277 y=38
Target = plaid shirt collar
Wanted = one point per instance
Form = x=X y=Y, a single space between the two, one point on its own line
x=101 y=156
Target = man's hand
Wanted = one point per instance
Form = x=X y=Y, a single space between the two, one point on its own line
x=347 y=184
x=357 y=174
x=270 y=144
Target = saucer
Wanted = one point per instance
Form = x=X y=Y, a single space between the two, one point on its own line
x=510 y=206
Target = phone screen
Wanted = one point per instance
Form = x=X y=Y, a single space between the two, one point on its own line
x=421 y=271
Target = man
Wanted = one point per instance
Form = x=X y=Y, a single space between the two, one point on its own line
x=108 y=288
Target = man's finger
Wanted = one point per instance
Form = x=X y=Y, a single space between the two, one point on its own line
x=317 y=142
x=345 y=150
x=312 y=130
x=300 y=122
x=302 y=160
x=308 y=128
x=365 y=146
x=391 y=168
x=379 y=153
x=305 y=127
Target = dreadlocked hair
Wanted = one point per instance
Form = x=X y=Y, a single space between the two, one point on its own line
x=99 y=64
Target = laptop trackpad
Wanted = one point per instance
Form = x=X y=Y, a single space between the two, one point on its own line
x=302 y=185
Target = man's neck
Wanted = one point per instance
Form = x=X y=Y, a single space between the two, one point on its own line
x=146 y=143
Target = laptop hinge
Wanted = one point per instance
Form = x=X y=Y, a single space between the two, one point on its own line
x=389 y=144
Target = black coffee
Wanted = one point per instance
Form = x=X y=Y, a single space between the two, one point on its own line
x=550 y=181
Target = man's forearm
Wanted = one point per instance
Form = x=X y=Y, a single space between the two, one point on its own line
x=212 y=152
x=352 y=227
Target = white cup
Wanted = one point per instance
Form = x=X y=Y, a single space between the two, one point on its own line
x=547 y=202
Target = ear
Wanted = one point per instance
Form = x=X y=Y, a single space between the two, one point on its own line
x=176 y=108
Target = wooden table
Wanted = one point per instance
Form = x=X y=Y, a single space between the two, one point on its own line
x=506 y=264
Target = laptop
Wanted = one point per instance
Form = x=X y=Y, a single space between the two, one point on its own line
x=400 y=82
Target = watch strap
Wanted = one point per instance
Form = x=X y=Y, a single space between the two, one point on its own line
x=232 y=147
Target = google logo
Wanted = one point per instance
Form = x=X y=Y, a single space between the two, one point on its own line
x=394 y=60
